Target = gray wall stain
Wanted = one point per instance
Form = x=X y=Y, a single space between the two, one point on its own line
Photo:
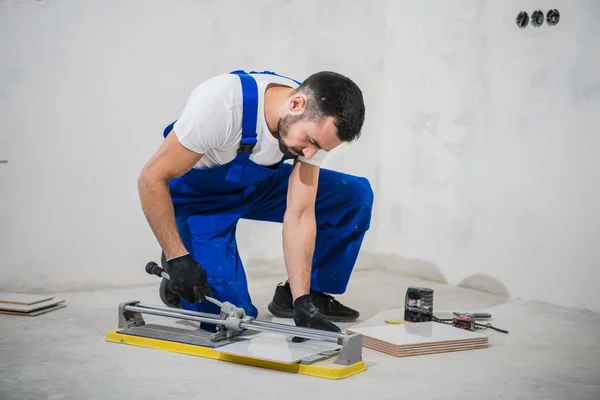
x=465 y=118
x=396 y=214
x=428 y=271
x=539 y=77
x=484 y=283
x=590 y=93
x=425 y=122
x=421 y=269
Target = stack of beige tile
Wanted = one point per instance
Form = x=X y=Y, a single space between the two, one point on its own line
x=416 y=339
x=30 y=305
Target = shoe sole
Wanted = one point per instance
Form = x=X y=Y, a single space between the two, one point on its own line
x=281 y=312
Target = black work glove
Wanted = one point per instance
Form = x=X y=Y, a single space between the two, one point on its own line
x=307 y=315
x=188 y=279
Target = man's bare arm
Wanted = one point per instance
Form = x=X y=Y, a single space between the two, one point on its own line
x=299 y=226
x=170 y=161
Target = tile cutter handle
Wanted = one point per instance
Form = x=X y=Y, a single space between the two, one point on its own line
x=153 y=269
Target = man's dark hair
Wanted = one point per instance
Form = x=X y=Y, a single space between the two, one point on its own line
x=333 y=95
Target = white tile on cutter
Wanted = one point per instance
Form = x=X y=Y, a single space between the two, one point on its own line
x=277 y=347
x=284 y=321
x=415 y=333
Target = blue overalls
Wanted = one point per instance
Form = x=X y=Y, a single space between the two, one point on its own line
x=209 y=202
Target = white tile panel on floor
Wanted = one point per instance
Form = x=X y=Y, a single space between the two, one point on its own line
x=417 y=333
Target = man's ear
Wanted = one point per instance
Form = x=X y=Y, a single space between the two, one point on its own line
x=297 y=104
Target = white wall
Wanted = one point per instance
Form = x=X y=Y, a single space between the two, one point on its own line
x=480 y=136
x=490 y=163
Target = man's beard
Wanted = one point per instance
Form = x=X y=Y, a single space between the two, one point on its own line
x=285 y=149
x=283 y=127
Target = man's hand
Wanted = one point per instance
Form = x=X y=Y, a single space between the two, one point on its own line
x=309 y=316
x=188 y=279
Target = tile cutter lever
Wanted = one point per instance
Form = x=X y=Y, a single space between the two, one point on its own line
x=229 y=323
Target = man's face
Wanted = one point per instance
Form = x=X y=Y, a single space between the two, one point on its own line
x=300 y=136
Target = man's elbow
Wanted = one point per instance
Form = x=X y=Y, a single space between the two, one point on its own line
x=300 y=213
x=143 y=179
x=148 y=178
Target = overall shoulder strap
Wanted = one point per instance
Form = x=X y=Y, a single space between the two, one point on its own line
x=249 y=112
x=275 y=74
x=237 y=171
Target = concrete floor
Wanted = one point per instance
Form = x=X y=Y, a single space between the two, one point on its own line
x=550 y=353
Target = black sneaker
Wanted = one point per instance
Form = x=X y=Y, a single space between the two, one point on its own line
x=166 y=295
x=282 y=305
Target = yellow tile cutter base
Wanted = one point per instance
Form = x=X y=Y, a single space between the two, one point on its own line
x=133 y=330
x=230 y=323
x=325 y=368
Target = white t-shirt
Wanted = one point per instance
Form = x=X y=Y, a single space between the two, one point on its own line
x=211 y=122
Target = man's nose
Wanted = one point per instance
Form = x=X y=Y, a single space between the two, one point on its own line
x=309 y=152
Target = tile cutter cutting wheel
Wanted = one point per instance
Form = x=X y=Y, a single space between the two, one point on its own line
x=232 y=320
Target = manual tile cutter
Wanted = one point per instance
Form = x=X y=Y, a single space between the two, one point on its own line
x=230 y=323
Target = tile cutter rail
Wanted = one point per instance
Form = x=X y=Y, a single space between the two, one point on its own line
x=229 y=323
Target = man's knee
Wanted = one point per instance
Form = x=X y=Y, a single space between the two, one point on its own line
x=366 y=195
x=366 y=199
x=359 y=197
x=358 y=191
